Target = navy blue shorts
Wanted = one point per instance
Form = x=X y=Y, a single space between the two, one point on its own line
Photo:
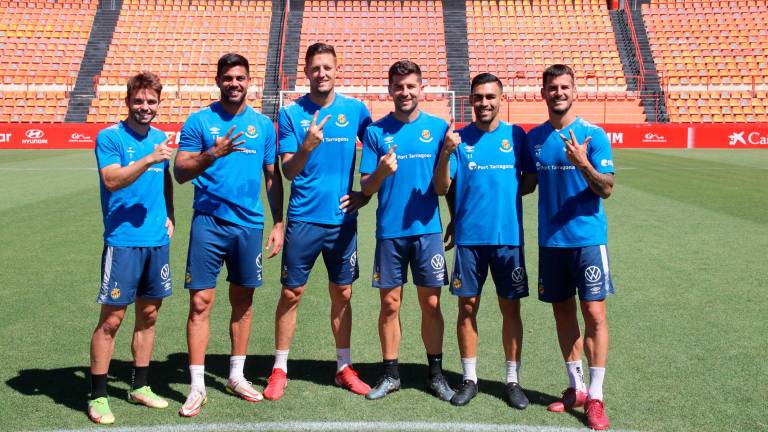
x=305 y=241
x=130 y=272
x=424 y=253
x=214 y=241
x=564 y=270
x=507 y=264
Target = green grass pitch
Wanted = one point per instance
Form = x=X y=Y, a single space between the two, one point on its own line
x=688 y=244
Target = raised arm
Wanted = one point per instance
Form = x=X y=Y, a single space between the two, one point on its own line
x=441 y=179
x=293 y=163
x=116 y=177
x=601 y=184
x=189 y=165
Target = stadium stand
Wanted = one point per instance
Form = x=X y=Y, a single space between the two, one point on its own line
x=370 y=36
x=718 y=73
x=41 y=44
x=518 y=39
x=181 y=41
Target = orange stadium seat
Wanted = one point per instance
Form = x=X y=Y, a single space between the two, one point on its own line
x=181 y=43
x=724 y=61
x=370 y=36
x=56 y=32
x=517 y=40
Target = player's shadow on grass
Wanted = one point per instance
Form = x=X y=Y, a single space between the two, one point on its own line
x=70 y=386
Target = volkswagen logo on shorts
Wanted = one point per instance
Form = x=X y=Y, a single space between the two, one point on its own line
x=518 y=274
x=34 y=133
x=165 y=272
x=438 y=262
x=592 y=274
x=353 y=259
x=258 y=261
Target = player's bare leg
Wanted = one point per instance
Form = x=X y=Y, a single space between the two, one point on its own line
x=198 y=323
x=144 y=330
x=241 y=300
x=512 y=340
x=103 y=338
x=285 y=316
x=341 y=326
x=571 y=345
x=389 y=322
x=466 y=330
x=432 y=324
x=141 y=347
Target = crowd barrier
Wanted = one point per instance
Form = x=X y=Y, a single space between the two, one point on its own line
x=650 y=135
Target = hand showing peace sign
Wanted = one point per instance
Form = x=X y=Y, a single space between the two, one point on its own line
x=227 y=144
x=315 y=132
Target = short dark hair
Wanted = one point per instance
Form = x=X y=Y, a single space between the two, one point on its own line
x=555 y=71
x=143 y=80
x=485 y=78
x=230 y=60
x=318 y=48
x=404 y=68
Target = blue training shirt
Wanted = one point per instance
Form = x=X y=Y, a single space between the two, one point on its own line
x=570 y=214
x=329 y=171
x=230 y=188
x=486 y=168
x=407 y=201
x=135 y=215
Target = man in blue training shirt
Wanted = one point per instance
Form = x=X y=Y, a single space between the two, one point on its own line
x=483 y=163
x=137 y=206
x=317 y=135
x=223 y=149
x=573 y=178
x=399 y=156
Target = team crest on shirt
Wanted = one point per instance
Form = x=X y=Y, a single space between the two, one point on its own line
x=506 y=147
x=426 y=136
x=251 y=132
x=341 y=120
x=214 y=132
x=115 y=293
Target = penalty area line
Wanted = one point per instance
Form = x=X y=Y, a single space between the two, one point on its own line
x=338 y=426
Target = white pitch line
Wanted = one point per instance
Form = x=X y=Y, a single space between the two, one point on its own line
x=338 y=426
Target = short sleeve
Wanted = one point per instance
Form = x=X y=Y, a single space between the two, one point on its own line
x=453 y=164
x=191 y=139
x=108 y=149
x=365 y=121
x=529 y=163
x=370 y=155
x=599 y=152
x=286 y=135
x=518 y=139
x=270 y=143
